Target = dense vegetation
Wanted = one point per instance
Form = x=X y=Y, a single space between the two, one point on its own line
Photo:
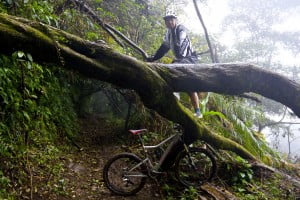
x=41 y=106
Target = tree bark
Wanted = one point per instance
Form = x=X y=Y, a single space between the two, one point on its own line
x=155 y=83
x=233 y=79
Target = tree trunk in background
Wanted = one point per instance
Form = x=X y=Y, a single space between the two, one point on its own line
x=155 y=83
x=211 y=50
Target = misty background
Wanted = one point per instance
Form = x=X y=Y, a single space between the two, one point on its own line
x=265 y=33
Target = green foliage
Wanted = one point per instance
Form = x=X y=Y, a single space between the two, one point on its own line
x=203 y=102
x=39 y=10
x=235 y=119
x=190 y=193
x=139 y=21
x=72 y=21
x=32 y=98
x=176 y=192
x=34 y=112
x=274 y=187
x=238 y=125
x=4 y=183
x=214 y=113
x=168 y=190
x=243 y=175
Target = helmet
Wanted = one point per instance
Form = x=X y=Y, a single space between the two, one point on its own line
x=170 y=13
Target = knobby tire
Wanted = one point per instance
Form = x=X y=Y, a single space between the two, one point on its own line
x=115 y=170
x=201 y=170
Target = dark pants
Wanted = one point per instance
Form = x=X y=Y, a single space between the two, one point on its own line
x=187 y=60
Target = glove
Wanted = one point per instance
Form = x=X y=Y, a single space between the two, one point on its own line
x=150 y=59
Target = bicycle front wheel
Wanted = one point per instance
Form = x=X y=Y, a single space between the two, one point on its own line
x=195 y=167
x=124 y=174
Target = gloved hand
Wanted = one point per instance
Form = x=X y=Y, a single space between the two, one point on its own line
x=150 y=59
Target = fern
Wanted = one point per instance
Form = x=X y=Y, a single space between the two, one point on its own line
x=240 y=118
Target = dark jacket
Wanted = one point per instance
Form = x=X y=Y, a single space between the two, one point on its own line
x=177 y=40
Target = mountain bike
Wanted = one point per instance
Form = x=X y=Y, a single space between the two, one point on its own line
x=126 y=173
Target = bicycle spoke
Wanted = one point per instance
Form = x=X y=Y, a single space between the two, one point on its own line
x=123 y=174
x=195 y=167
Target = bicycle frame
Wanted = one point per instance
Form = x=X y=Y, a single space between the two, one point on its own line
x=147 y=161
x=136 y=166
x=146 y=147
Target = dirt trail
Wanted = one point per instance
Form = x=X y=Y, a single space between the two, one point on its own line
x=84 y=175
x=83 y=169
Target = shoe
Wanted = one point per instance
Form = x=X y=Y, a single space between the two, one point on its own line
x=198 y=114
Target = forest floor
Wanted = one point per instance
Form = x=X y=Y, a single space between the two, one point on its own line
x=81 y=178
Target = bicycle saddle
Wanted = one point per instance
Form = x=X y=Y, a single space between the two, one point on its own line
x=138 y=131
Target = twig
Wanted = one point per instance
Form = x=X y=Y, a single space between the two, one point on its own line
x=261 y=127
x=30 y=175
x=203 y=52
x=247 y=96
x=115 y=38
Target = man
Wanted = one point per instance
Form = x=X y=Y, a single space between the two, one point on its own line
x=176 y=39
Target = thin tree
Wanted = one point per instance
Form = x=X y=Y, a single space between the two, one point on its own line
x=212 y=56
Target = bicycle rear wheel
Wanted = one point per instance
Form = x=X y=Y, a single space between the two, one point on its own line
x=123 y=176
x=195 y=167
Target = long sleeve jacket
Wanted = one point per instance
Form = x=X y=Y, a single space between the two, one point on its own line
x=177 y=40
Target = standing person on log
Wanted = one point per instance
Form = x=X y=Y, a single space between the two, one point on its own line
x=176 y=38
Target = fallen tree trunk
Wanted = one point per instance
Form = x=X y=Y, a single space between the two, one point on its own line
x=155 y=83
x=233 y=79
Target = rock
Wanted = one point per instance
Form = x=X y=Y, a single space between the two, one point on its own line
x=76 y=167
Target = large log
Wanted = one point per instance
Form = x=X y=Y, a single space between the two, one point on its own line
x=233 y=79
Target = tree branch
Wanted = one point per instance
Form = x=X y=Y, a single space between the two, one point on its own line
x=111 y=30
x=261 y=127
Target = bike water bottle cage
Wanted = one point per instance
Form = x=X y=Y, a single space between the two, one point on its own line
x=137 y=132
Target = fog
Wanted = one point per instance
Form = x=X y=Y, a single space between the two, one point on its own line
x=266 y=33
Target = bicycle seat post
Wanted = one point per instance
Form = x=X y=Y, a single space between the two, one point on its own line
x=142 y=144
x=138 y=133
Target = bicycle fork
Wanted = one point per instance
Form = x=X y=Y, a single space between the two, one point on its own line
x=191 y=161
x=127 y=173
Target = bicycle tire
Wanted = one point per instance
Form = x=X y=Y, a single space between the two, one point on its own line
x=203 y=170
x=117 y=178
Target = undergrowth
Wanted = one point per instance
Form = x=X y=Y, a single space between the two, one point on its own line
x=35 y=112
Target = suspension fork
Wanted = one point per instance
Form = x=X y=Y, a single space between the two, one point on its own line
x=186 y=149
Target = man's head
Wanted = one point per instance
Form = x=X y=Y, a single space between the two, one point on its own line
x=170 y=22
x=170 y=19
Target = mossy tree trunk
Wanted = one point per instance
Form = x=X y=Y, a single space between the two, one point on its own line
x=155 y=83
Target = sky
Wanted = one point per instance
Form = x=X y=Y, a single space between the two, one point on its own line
x=292 y=21
x=213 y=14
